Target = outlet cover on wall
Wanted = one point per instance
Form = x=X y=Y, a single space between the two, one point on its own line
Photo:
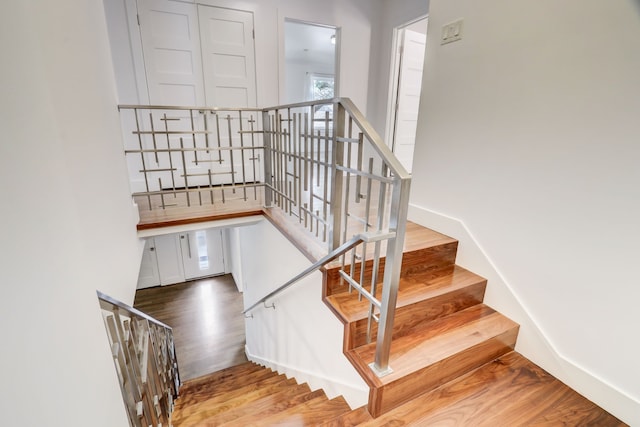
x=451 y=32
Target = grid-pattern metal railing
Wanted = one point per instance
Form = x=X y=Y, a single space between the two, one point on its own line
x=321 y=163
x=193 y=156
x=329 y=170
x=145 y=361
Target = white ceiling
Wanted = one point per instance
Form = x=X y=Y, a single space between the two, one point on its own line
x=307 y=42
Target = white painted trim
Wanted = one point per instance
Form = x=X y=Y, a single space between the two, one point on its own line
x=333 y=387
x=533 y=342
x=394 y=71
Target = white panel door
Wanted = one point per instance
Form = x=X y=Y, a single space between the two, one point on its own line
x=202 y=253
x=228 y=62
x=410 y=84
x=228 y=56
x=169 y=256
x=149 y=275
x=171 y=48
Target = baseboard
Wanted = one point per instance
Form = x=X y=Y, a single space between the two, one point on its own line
x=533 y=342
x=333 y=387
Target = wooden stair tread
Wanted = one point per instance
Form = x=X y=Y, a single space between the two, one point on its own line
x=309 y=413
x=437 y=340
x=510 y=390
x=229 y=382
x=222 y=375
x=349 y=419
x=413 y=289
x=266 y=406
x=200 y=404
x=417 y=238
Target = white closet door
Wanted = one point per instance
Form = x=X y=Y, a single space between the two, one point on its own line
x=149 y=275
x=410 y=84
x=171 y=48
x=169 y=258
x=228 y=56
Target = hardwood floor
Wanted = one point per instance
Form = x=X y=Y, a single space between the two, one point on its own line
x=208 y=327
x=509 y=391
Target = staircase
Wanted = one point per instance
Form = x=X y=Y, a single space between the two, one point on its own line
x=442 y=330
x=452 y=359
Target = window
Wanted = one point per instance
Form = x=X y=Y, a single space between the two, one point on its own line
x=321 y=86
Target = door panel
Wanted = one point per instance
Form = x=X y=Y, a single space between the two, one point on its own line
x=149 y=275
x=228 y=56
x=169 y=257
x=171 y=47
x=409 y=87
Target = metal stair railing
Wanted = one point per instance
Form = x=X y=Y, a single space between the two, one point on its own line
x=320 y=163
x=145 y=360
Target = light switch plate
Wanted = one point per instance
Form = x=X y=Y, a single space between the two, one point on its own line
x=451 y=32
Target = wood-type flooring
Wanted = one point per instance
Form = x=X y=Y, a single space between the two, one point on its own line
x=205 y=315
x=510 y=391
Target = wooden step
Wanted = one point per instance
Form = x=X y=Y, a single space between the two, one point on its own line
x=266 y=407
x=228 y=381
x=349 y=419
x=202 y=403
x=434 y=353
x=422 y=297
x=509 y=391
x=424 y=249
x=310 y=413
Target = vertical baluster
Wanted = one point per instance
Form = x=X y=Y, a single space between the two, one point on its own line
x=193 y=136
x=233 y=172
x=244 y=174
x=184 y=172
x=169 y=153
x=268 y=152
x=144 y=164
x=359 y=167
x=219 y=139
x=253 y=156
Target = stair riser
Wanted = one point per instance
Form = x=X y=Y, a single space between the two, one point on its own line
x=385 y=398
x=413 y=315
x=414 y=261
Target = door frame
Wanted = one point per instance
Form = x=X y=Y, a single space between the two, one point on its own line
x=394 y=75
x=281 y=58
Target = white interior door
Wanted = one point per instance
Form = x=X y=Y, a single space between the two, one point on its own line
x=149 y=275
x=409 y=86
x=171 y=48
x=169 y=258
x=228 y=56
x=202 y=253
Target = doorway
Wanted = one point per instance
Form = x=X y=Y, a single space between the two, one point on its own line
x=310 y=66
x=406 y=81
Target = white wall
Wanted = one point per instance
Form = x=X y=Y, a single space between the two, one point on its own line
x=354 y=16
x=67 y=223
x=528 y=136
x=301 y=337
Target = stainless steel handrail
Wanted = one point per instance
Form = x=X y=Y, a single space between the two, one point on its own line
x=356 y=240
x=106 y=301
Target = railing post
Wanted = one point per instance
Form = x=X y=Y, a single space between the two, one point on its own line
x=266 y=141
x=337 y=197
x=393 y=265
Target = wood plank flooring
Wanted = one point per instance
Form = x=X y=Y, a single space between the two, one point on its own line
x=509 y=391
x=208 y=327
